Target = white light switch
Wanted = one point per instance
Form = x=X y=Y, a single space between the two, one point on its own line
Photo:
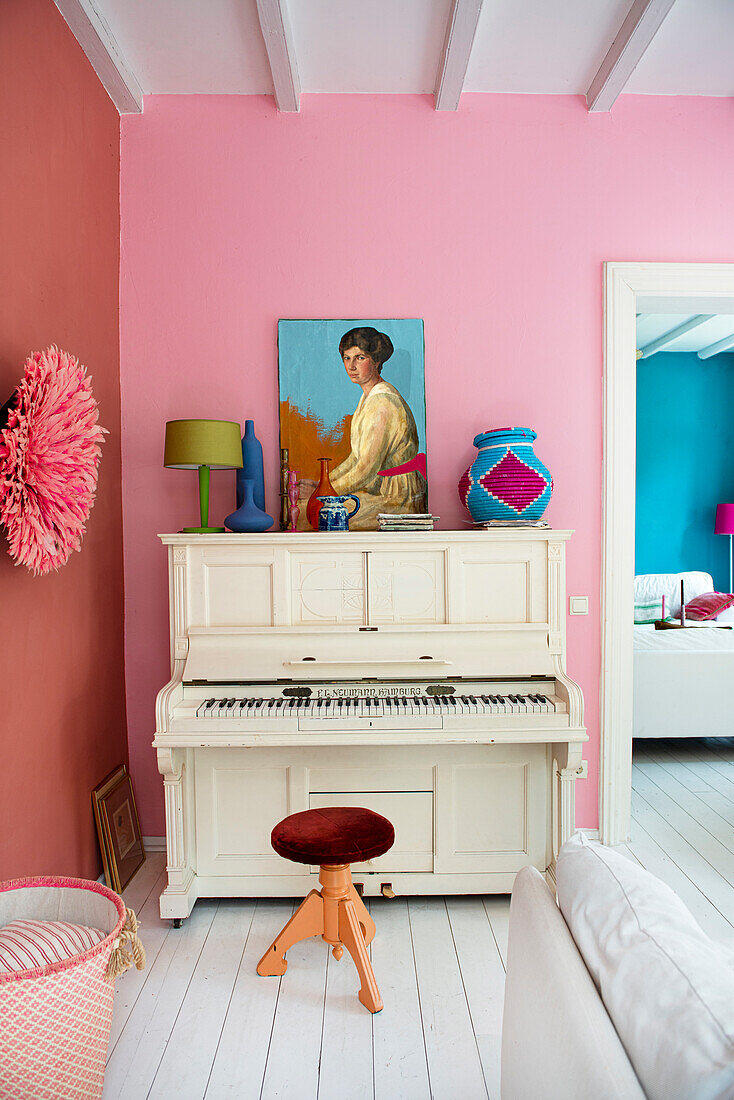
x=578 y=605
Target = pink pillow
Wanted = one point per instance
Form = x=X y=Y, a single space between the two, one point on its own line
x=29 y=944
x=709 y=605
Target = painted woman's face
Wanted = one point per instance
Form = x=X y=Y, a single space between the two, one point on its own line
x=360 y=366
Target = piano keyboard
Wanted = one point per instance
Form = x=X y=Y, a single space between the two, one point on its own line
x=370 y=706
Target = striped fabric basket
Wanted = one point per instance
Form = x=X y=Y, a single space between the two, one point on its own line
x=55 y=1019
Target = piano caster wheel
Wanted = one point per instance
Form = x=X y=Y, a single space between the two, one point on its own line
x=177 y=922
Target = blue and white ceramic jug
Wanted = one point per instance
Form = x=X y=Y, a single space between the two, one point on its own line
x=333 y=515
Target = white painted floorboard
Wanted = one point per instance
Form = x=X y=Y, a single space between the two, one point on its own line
x=199 y=1022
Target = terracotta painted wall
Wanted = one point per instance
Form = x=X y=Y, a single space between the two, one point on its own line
x=491 y=224
x=62 y=718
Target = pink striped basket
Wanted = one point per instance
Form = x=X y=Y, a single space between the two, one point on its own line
x=55 y=1020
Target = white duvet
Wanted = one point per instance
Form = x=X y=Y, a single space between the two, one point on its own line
x=691 y=640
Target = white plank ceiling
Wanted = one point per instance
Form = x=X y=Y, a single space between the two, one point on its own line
x=700 y=332
x=395 y=46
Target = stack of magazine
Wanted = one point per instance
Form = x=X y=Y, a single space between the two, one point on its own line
x=419 y=521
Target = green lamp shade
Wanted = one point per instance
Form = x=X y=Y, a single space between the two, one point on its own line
x=194 y=443
x=203 y=445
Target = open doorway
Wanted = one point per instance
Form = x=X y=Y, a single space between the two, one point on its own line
x=684 y=493
x=631 y=289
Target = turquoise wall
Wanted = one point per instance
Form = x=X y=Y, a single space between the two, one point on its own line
x=685 y=463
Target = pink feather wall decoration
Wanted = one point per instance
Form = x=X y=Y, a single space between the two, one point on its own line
x=49 y=454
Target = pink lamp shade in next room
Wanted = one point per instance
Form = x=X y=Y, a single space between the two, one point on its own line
x=725 y=526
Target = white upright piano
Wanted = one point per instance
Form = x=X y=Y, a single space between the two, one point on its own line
x=420 y=674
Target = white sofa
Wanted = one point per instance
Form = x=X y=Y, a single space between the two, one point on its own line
x=558 y=1042
x=646 y=964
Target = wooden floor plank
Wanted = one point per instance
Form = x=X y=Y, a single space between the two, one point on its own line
x=186 y=1064
x=401 y=1069
x=709 y=882
x=703 y=771
x=140 y=1048
x=346 y=1044
x=239 y=1062
x=696 y=805
x=144 y=881
x=497 y=908
x=292 y=1069
x=483 y=976
x=152 y=932
x=658 y=862
x=695 y=784
x=705 y=843
x=447 y=1024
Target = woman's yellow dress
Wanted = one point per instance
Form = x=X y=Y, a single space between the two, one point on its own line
x=383 y=436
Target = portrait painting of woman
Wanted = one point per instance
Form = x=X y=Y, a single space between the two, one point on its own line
x=374 y=438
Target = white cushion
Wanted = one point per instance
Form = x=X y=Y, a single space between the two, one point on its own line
x=667 y=987
x=650 y=586
x=28 y=944
x=726 y=616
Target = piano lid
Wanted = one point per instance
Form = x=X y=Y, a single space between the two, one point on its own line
x=352 y=653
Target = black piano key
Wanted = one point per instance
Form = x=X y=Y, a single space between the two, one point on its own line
x=271 y=704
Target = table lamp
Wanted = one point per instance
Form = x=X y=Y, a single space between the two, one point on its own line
x=203 y=445
x=725 y=526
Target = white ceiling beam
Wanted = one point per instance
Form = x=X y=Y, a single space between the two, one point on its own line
x=625 y=53
x=714 y=349
x=104 y=54
x=460 y=31
x=276 y=28
x=679 y=330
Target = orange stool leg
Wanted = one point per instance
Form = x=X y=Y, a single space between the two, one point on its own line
x=368 y=925
x=351 y=935
x=307 y=921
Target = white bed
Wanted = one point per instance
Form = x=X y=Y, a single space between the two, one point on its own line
x=683 y=679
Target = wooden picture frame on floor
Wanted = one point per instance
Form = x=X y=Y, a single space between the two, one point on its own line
x=118 y=828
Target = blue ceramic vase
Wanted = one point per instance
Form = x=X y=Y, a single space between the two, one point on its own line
x=248 y=516
x=506 y=481
x=252 y=467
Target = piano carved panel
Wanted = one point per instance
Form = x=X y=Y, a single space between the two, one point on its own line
x=327 y=589
x=238 y=595
x=502 y=582
x=407 y=588
x=228 y=841
x=411 y=813
x=492 y=812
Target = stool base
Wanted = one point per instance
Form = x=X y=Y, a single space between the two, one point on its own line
x=337 y=914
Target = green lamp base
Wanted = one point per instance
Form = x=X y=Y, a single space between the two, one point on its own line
x=202 y=530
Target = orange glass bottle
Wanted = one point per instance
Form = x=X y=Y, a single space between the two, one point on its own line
x=323 y=489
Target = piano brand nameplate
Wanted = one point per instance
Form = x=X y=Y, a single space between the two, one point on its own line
x=381 y=691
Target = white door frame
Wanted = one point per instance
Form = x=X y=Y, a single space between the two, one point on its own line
x=623 y=282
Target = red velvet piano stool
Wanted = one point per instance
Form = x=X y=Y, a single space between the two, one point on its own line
x=334 y=838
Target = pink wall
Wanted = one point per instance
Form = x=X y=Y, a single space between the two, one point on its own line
x=491 y=224
x=62 y=723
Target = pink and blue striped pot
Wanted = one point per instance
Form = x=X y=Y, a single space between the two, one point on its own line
x=506 y=481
